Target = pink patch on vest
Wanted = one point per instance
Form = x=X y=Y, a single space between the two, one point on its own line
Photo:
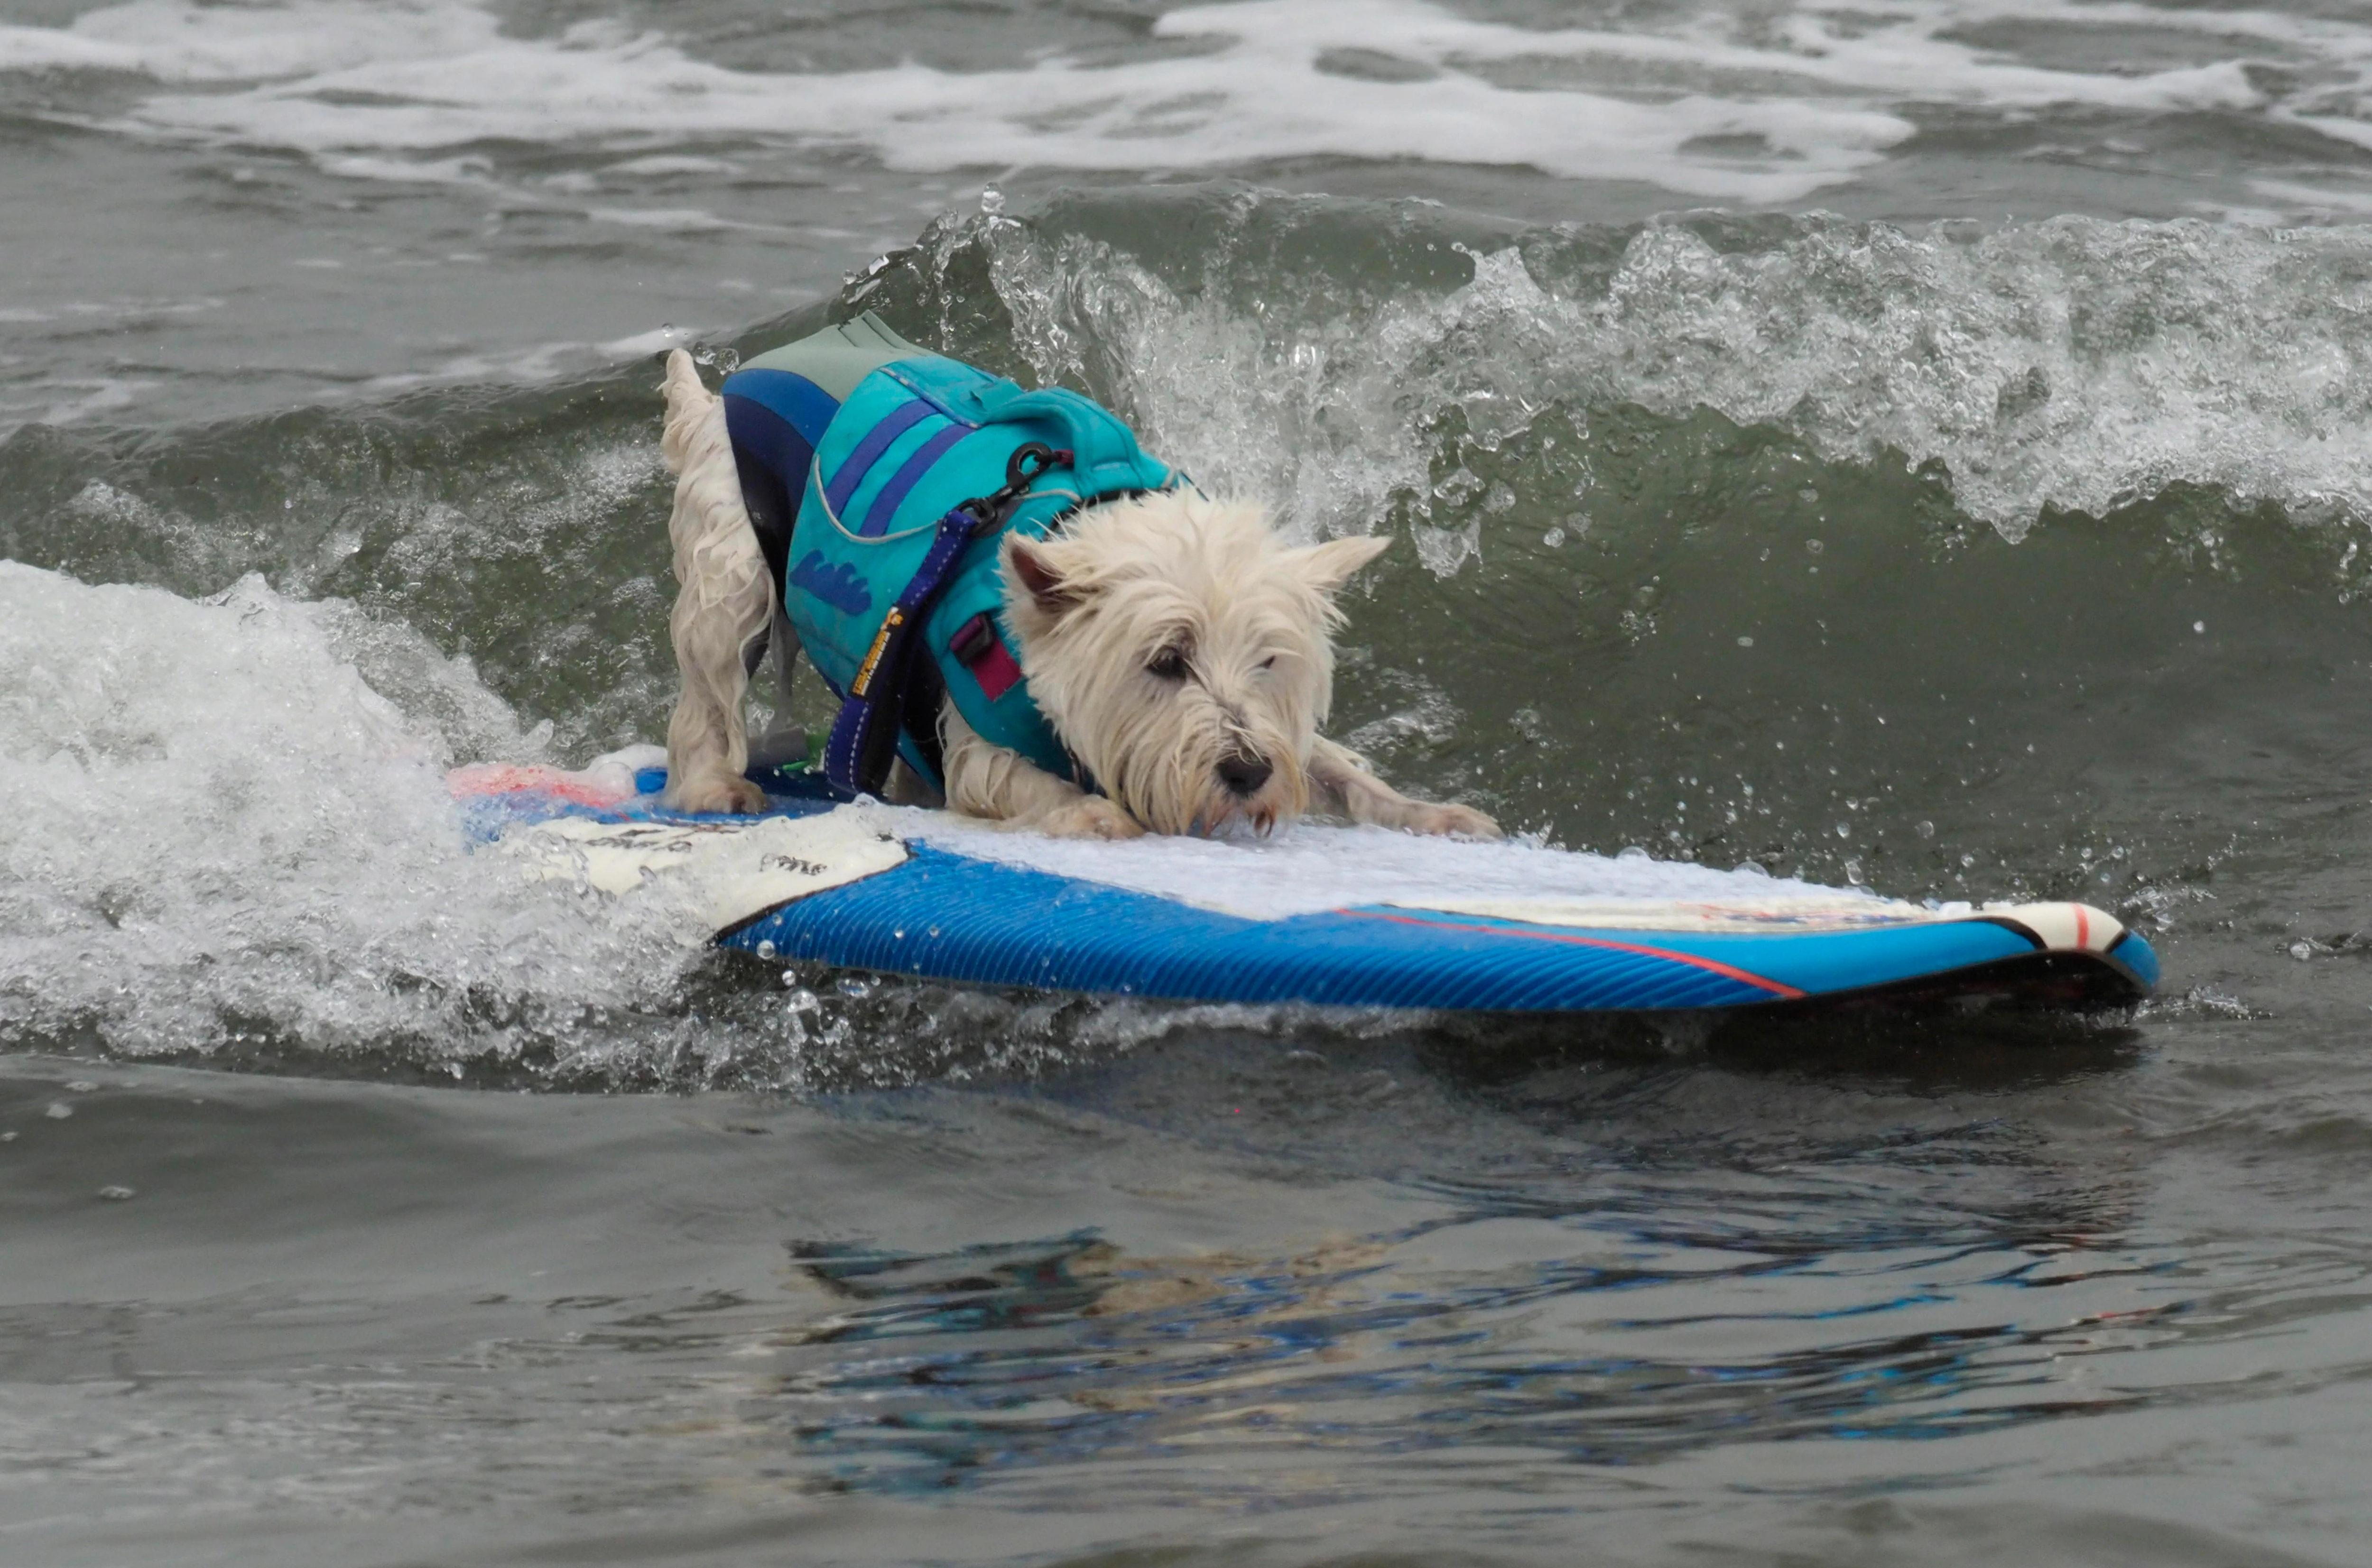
x=996 y=670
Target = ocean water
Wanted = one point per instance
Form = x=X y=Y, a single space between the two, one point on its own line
x=1920 y=444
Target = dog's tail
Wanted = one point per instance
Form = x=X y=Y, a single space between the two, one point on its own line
x=687 y=404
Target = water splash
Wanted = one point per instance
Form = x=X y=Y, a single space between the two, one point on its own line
x=2074 y=365
x=219 y=836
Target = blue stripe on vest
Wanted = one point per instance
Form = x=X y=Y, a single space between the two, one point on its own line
x=868 y=451
x=885 y=505
x=779 y=446
x=806 y=406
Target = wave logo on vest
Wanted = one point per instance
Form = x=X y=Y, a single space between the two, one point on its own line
x=836 y=585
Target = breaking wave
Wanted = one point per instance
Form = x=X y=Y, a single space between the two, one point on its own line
x=1955 y=565
x=1756 y=104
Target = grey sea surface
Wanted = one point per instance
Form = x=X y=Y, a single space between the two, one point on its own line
x=1914 y=443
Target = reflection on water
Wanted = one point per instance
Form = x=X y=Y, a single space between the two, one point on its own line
x=1582 y=1340
x=1461 y=1293
x=1625 y=1267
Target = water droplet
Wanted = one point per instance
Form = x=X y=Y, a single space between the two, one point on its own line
x=992 y=200
x=1967 y=860
x=1745 y=641
x=851 y=985
x=82 y=1087
x=2199 y=626
x=115 y=1194
x=1814 y=545
x=2301 y=951
x=765 y=949
x=1554 y=538
x=1844 y=830
x=1925 y=830
x=59 y=1110
x=7 y=1137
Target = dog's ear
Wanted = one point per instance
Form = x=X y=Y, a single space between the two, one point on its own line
x=1327 y=567
x=1029 y=565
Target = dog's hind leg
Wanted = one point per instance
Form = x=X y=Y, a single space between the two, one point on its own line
x=725 y=601
x=784 y=743
x=1343 y=787
x=988 y=780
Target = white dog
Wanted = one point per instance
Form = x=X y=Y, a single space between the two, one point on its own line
x=1179 y=650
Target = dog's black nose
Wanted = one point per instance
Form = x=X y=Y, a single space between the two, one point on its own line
x=1244 y=775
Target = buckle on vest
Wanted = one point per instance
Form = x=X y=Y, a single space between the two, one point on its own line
x=1021 y=469
x=979 y=649
x=972 y=639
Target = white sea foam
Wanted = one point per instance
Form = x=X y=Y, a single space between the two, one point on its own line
x=1753 y=103
x=212 y=827
x=68 y=402
x=2075 y=362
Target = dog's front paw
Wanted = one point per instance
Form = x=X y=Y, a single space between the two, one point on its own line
x=1451 y=821
x=719 y=793
x=1090 y=817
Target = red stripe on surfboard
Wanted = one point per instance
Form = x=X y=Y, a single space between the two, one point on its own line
x=510 y=778
x=2083 y=928
x=1714 y=966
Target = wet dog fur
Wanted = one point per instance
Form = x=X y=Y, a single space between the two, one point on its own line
x=1182 y=652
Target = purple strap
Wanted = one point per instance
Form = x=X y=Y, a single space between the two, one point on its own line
x=863 y=738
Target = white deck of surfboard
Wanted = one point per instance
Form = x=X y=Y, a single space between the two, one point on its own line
x=728 y=872
x=732 y=871
x=1311 y=868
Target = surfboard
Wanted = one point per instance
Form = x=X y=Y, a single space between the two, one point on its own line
x=1323 y=916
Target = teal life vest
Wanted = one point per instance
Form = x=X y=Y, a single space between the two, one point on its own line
x=859 y=453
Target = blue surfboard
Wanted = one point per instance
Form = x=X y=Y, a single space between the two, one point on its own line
x=1329 y=916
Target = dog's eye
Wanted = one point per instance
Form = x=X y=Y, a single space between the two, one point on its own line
x=1268 y=663
x=1170 y=663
